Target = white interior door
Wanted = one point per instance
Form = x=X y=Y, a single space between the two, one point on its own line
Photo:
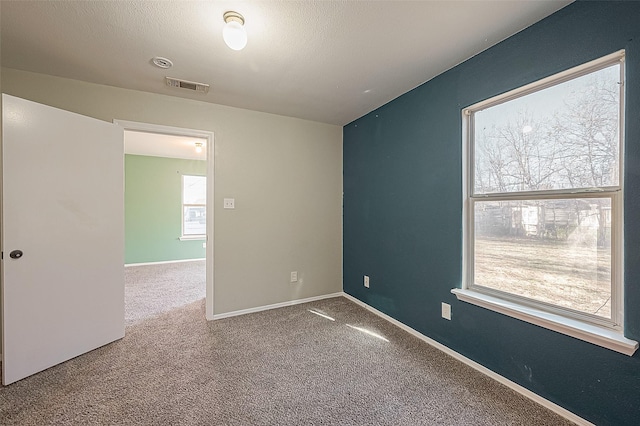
x=62 y=236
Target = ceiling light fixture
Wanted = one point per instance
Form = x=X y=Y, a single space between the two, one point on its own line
x=233 y=33
x=198 y=147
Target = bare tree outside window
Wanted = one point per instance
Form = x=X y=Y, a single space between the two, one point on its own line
x=562 y=137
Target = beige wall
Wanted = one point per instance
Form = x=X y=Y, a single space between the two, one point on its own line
x=284 y=173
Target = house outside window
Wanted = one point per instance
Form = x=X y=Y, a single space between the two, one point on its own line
x=543 y=201
x=194 y=206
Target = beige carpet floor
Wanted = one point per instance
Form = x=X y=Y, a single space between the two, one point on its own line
x=151 y=290
x=329 y=362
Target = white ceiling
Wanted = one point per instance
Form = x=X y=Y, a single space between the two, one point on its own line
x=327 y=61
x=159 y=145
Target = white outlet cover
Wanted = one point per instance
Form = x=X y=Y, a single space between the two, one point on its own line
x=229 y=203
x=446 y=311
x=294 y=276
x=366 y=281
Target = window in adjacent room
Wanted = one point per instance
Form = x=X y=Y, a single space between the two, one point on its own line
x=543 y=197
x=194 y=206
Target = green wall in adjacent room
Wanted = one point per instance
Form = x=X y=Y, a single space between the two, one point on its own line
x=153 y=209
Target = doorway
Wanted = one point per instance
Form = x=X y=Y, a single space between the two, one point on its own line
x=168 y=219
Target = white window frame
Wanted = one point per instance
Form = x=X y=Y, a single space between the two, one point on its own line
x=186 y=237
x=599 y=331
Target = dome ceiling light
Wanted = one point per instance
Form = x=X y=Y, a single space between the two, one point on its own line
x=233 y=33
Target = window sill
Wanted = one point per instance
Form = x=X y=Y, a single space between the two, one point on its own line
x=600 y=336
x=193 y=237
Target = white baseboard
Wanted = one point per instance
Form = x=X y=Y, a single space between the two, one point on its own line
x=126 y=265
x=275 y=306
x=516 y=387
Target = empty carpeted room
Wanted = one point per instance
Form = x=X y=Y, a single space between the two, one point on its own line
x=391 y=213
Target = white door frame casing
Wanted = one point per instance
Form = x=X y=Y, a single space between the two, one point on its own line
x=179 y=131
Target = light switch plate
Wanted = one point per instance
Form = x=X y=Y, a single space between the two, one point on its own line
x=229 y=203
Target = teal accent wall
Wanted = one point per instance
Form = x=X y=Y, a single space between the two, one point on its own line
x=153 y=209
x=403 y=213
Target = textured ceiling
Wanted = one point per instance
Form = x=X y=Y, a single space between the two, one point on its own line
x=327 y=61
x=159 y=145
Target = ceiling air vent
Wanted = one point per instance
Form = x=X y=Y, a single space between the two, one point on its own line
x=189 y=85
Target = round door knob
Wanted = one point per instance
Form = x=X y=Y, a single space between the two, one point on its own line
x=16 y=254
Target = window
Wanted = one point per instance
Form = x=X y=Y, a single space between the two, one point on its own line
x=543 y=199
x=194 y=206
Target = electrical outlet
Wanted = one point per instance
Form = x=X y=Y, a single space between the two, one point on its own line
x=204 y=245
x=366 y=281
x=294 y=276
x=229 y=203
x=446 y=311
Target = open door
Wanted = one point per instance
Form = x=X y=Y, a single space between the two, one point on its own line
x=62 y=236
